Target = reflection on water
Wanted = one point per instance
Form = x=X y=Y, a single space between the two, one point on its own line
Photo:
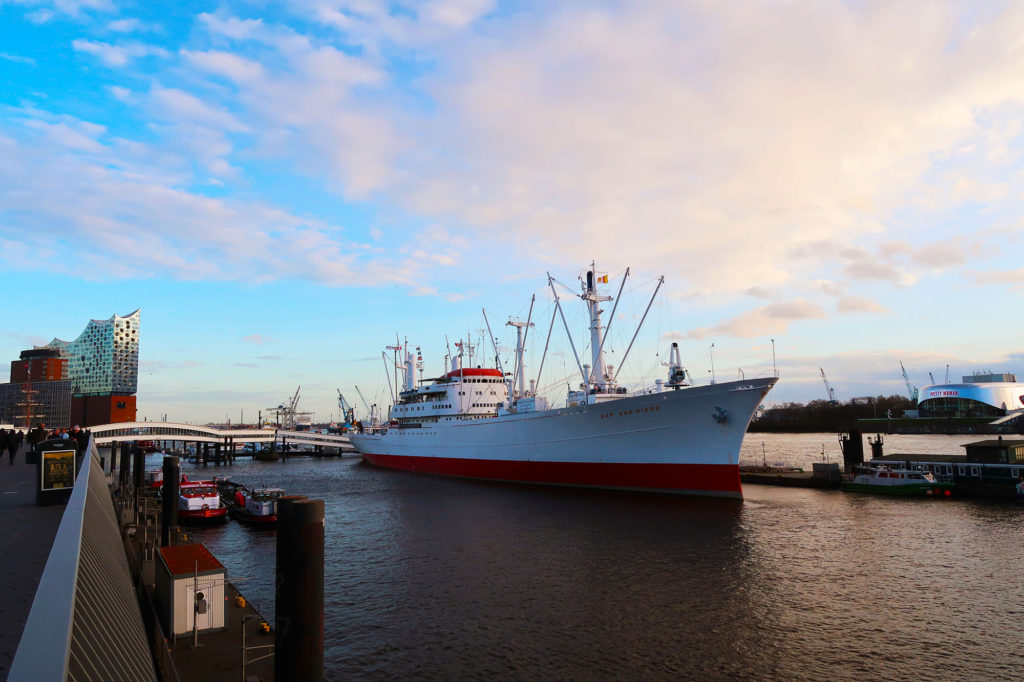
x=434 y=578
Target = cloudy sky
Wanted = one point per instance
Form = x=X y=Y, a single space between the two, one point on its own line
x=283 y=188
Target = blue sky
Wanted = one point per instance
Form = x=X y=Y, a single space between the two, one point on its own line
x=281 y=188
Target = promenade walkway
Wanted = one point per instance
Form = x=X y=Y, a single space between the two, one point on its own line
x=26 y=535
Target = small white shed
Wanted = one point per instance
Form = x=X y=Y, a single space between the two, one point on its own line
x=187 y=576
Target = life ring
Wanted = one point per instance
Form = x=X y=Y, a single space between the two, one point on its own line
x=206 y=507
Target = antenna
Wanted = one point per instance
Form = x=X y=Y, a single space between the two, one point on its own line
x=711 y=351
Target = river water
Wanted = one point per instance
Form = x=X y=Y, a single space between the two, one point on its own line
x=437 y=579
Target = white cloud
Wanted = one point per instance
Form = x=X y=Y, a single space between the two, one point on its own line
x=131 y=25
x=119 y=93
x=756 y=149
x=17 y=59
x=225 y=64
x=379 y=24
x=121 y=207
x=303 y=102
x=179 y=105
x=45 y=10
x=117 y=55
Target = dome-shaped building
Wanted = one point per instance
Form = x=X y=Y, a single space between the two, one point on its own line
x=982 y=394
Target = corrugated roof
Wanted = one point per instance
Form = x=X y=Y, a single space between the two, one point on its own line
x=108 y=639
x=182 y=559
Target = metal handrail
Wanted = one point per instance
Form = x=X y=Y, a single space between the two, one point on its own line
x=104 y=629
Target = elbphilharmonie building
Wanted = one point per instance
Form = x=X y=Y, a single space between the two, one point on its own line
x=103 y=366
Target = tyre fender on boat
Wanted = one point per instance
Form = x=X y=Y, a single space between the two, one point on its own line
x=206 y=507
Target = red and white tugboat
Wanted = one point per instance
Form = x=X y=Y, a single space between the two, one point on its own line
x=199 y=502
x=155 y=479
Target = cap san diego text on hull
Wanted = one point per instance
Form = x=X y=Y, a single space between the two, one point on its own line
x=475 y=422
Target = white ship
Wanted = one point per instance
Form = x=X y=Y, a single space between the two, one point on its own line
x=481 y=423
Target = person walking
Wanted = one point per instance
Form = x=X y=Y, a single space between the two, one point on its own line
x=13 y=441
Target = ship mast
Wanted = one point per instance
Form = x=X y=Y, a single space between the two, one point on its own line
x=598 y=373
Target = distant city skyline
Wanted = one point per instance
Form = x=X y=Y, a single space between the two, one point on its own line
x=283 y=188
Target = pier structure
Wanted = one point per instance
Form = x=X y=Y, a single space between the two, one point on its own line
x=227 y=440
x=94 y=613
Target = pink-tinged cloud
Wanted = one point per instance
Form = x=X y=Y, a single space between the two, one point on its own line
x=771 y=319
x=1013 y=279
x=859 y=304
x=258 y=339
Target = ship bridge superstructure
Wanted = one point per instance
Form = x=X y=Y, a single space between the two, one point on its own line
x=463 y=393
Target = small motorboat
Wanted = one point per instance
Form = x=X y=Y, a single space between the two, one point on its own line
x=257 y=506
x=199 y=502
x=886 y=481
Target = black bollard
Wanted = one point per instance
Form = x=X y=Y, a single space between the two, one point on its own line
x=125 y=470
x=138 y=468
x=172 y=476
x=299 y=591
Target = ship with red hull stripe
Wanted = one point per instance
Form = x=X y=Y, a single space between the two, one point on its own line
x=484 y=423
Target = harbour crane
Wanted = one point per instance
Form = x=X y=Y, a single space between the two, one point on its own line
x=828 y=388
x=347 y=412
x=288 y=416
x=911 y=390
x=931 y=377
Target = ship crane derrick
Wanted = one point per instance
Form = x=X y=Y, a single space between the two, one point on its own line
x=676 y=372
